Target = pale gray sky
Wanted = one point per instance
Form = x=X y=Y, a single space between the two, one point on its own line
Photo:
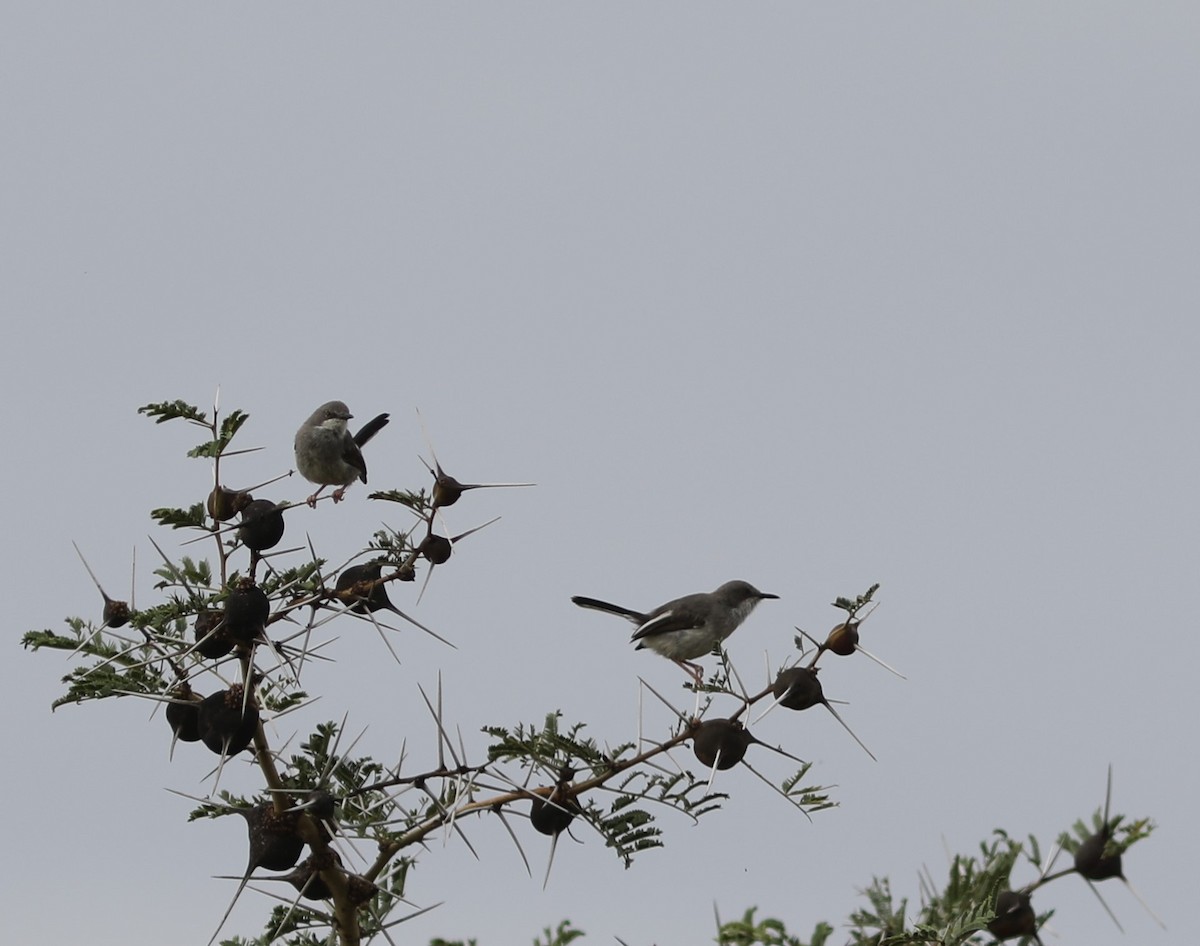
x=813 y=296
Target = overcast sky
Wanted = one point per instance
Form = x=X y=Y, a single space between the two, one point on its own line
x=811 y=296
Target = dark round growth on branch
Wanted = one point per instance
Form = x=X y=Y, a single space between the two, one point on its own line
x=225 y=726
x=798 y=688
x=212 y=640
x=306 y=878
x=372 y=596
x=1014 y=916
x=184 y=716
x=446 y=489
x=436 y=548
x=320 y=804
x=274 y=843
x=360 y=889
x=1090 y=861
x=720 y=742
x=553 y=815
x=246 y=611
x=115 y=613
x=223 y=504
x=843 y=639
x=262 y=525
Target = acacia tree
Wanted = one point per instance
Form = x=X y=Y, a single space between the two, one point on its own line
x=224 y=649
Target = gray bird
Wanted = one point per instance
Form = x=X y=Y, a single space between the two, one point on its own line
x=327 y=454
x=688 y=627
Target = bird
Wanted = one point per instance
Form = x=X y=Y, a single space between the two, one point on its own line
x=688 y=627
x=327 y=454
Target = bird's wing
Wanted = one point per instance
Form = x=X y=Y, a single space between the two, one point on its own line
x=353 y=456
x=668 y=621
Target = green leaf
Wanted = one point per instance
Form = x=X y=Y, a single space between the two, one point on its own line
x=563 y=934
x=174 y=410
x=854 y=605
x=190 y=518
x=418 y=501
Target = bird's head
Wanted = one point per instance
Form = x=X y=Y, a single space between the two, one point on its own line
x=333 y=416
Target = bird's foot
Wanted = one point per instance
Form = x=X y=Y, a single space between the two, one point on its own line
x=695 y=671
x=338 y=494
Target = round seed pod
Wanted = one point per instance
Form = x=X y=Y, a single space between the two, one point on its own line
x=115 y=613
x=274 y=843
x=184 y=717
x=223 y=504
x=554 y=815
x=320 y=804
x=1090 y=861
x=436 y=548
x=246 y=611
x=798 y=688
x=306 y=878
x=219 y=643
x=446 y=489
x=722 y=742
x=225 y=727
x=372 y=599
x=1014 y=916
x=359 y=889
x=262 y=525
x=843 y=639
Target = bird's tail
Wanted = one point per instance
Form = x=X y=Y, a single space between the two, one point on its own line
x=370 y=429
x=636 y=616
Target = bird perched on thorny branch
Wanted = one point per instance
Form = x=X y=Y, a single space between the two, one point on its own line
x=326 y=452
x=688 y=627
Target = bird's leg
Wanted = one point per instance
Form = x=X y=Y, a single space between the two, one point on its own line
x=312 y=500
x=339 y=493
x=694 y=670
